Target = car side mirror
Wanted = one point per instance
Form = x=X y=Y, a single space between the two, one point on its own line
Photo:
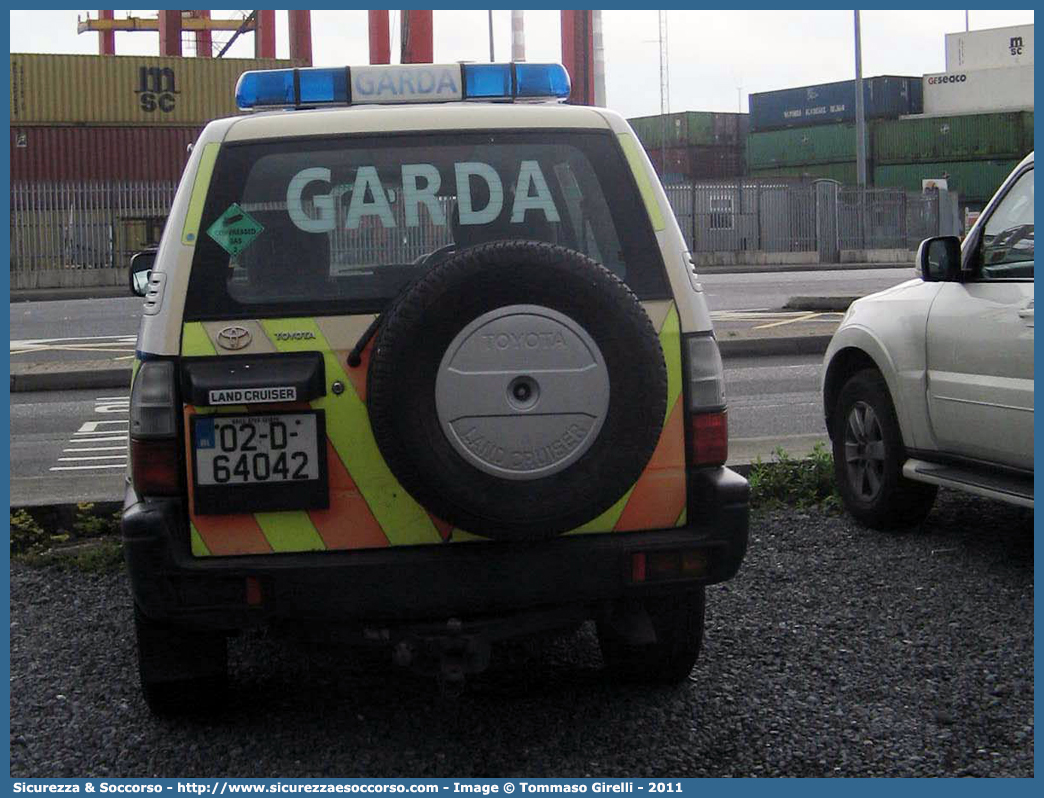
x=939 y=259
x=140 y=269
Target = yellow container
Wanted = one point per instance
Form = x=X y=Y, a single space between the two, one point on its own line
x=125 y=89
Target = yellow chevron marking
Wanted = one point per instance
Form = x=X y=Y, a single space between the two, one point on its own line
x=657 y=310
x=606 y=522
x=670 y=343
x=348 y=427
x=683 y=518
x=190 y=232
x=291 y=530
x=460 y=536
x=199 y=548
x=195 y=341
x=635 y=160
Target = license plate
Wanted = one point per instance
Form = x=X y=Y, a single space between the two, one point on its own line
x=259 y=462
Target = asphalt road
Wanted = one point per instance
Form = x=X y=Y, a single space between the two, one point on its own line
x=31 y=321
x=70 y=446
x=771 y=290
x=70 y=318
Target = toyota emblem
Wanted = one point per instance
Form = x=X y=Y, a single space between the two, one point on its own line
x=233 y=338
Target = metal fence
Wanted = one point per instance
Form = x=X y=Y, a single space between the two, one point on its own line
x=746 y=215
x=739 y=216
x=57 y=228
x=871 y=219
x=60 y=232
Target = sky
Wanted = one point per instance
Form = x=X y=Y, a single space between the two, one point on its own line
x=715 y=58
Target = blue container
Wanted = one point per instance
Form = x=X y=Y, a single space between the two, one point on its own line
x=885 y=97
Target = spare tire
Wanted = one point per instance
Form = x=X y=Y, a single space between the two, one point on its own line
x=517 y=390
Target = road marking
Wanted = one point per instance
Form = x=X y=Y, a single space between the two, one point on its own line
x=117 y=344
x=84 y=467
x=129 y=338
x=803 y=317
x=115 y=407
x=93 y=457
x=92 y=426
x=83 y=442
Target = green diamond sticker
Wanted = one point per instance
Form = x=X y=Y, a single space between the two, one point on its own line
x=235 y=230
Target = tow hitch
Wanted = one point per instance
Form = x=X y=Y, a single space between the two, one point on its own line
x=450 y=654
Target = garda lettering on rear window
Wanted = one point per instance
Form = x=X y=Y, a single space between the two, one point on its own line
x=481 y=196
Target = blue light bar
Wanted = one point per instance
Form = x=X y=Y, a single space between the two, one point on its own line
x=487 y=81
x=401 y=83
x=323 y=86
x=541 y=80
x=267 y=88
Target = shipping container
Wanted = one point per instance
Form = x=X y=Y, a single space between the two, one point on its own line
x=843 y=172
x=797 y=146
x=49 y=153
x=698 y=163
x=124 y=89
x=952 y=138
x=691 y=128
x=974 y=181
x=885 y=97
x=990 y=49
x=978 y=91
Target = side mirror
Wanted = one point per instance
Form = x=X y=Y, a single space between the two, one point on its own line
x=939 y=259
x=140 y=269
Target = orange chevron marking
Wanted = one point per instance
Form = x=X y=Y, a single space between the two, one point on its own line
x=348 y=523
x=445 y=528
x=659 y=495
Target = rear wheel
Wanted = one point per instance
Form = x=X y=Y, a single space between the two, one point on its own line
x=868 y=457
x=678 y=624
x=182 y=672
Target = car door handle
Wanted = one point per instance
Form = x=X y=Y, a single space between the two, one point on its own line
x=1026 y=313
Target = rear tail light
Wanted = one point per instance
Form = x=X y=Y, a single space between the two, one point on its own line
x=709 y=438
x=706 y=418
x=155 y=468
x=663 y=566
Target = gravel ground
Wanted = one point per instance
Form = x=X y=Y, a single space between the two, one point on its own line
x=837 y=651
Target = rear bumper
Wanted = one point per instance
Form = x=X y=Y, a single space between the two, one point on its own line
x=421 y=583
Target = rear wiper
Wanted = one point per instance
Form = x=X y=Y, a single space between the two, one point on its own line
x=355 y=356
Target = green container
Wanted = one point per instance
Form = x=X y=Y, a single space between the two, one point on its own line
x=939 y=139
x=800 y=146
x=843 y=172
x=691 y=129
x=974 y=181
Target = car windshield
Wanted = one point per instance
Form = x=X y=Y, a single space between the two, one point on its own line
x=341 y=224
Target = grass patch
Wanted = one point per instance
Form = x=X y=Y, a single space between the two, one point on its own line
x=795 y=482
x=87 y=539
x=102 y=555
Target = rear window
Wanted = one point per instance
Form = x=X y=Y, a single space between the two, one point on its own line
x=340 y=225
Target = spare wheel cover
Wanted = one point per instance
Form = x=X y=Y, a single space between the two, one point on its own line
x=517 y=390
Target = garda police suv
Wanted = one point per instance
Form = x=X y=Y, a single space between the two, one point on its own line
x=423 y=363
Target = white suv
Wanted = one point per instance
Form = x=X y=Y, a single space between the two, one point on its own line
x=930 y=383
x=423 y=361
